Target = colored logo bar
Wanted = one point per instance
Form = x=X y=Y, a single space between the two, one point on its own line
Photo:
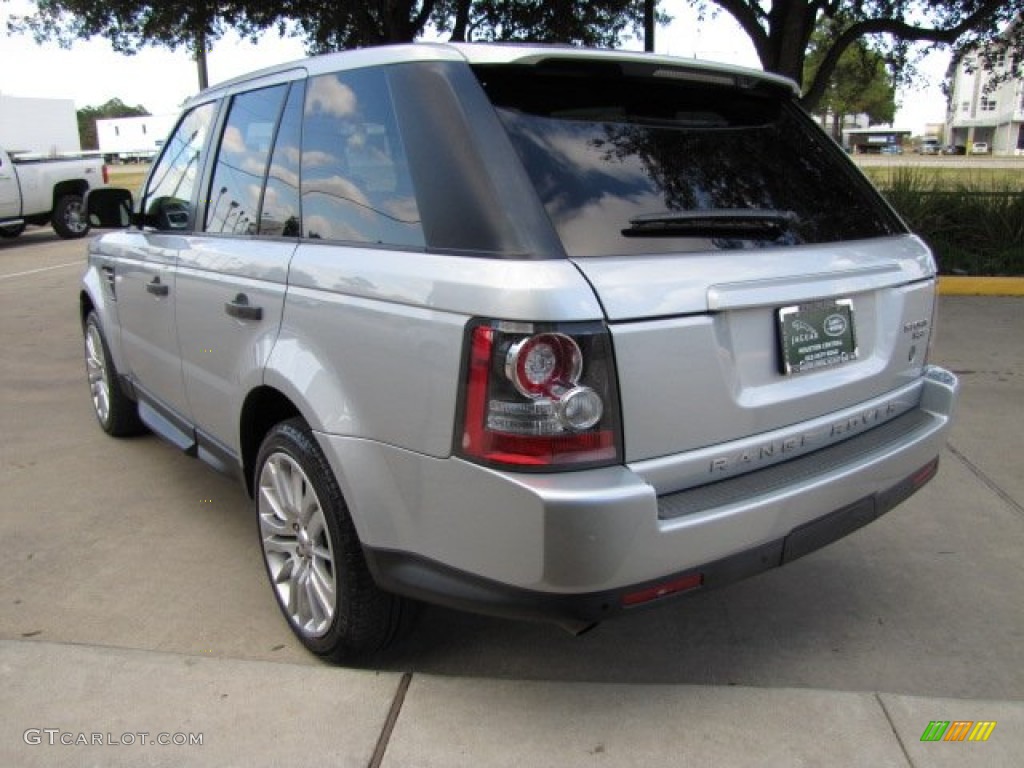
x=958 y=730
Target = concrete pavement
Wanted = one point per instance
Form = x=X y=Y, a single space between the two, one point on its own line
x=70 y=705
x=134 y=602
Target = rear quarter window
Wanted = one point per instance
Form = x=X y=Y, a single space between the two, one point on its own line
x=355 y=181
x=605 y=150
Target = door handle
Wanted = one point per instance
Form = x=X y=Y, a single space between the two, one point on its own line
x=157 y=288
x=242 y=309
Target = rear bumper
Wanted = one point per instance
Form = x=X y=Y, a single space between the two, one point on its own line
x=434 y=582
x=571 y=547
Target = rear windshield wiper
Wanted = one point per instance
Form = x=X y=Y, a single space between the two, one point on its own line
x=753 y=223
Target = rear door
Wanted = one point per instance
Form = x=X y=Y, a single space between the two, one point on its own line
x=751 y=277
x=231 y=280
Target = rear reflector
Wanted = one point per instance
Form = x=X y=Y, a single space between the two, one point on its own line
x=926 y=473
x=673 y=587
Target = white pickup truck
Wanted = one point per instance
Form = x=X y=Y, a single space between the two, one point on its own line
x=46 y=191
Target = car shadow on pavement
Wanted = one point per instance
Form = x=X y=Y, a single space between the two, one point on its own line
x=870 y=613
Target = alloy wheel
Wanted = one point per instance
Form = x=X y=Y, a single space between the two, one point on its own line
x=96 y=369
x=297 y=545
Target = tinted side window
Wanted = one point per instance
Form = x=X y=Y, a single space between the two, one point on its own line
x=280 y=213
x=237 y=185
x=167 y=202
x=355 y=178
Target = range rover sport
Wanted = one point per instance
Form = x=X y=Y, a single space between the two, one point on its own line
x=536 y=332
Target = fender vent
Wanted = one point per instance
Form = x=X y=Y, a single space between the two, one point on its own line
x=108 y=281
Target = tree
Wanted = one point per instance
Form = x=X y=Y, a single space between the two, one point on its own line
x=860 y=84
x=343 y=24
x=600 y=24
x=87 y=117
x=781 y=31
x=329 y=25
x=332 y=26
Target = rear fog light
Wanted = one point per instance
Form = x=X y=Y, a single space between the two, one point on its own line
x=674 y=587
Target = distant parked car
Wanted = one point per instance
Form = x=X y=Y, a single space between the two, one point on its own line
x=928 y=147
x=892 y=149
x=979 y=148
x=954 y=149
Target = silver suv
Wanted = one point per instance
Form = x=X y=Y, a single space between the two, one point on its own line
x=535 y=332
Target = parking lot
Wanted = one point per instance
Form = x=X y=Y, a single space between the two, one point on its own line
x=132 y=545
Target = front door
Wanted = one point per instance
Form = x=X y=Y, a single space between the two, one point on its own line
x=145 y=270
x=10 y=197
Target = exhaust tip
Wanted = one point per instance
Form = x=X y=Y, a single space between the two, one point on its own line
x=578 y=628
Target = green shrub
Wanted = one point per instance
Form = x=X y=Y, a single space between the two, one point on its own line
x=973 y=229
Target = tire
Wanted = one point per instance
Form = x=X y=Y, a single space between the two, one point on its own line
x=12 y=231
x=117 y=414
x=313 y=555
x=68 y=217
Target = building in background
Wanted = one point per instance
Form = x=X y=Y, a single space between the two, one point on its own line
x=980 y=114
x=881 y=140
x=838 y=127
x=38 y=126
x=133 y=139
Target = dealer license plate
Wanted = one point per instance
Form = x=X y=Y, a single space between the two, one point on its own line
x=816 y=335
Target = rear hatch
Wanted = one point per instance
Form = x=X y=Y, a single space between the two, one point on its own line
x=751 y=277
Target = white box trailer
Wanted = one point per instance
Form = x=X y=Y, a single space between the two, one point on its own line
x=40 y=126
x=127 y=139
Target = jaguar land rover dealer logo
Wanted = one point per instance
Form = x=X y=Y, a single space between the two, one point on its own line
x=835 y=325
x=803 y=332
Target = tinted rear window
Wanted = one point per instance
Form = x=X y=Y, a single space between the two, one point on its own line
x=603 y=148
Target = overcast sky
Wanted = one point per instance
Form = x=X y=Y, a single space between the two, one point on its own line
x=91 y=73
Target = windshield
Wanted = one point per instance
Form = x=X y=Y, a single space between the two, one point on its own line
x=605 y=151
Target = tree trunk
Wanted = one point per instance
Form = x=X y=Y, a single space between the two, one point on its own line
x=461 y=24
x=649 y=25
x=790 y=24
x=201 y=70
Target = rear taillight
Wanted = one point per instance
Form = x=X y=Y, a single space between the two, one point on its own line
x=106 y=174
x=540 y=397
